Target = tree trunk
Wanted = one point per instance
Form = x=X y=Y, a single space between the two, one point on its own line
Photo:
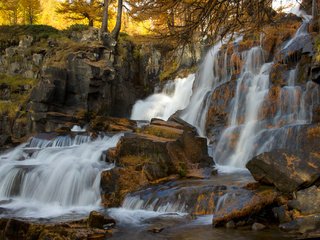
x=105 y=18
x=90 y=22
x=116 y=30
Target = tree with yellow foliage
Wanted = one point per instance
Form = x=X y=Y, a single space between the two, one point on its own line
x=187 y=20
x=10 y=11
x=20 y=11
x=30 y=10
x=91 y=10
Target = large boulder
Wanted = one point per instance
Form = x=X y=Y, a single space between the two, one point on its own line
x=287 y=171
x=98 y=220
x=157 y=152
x=295 y=167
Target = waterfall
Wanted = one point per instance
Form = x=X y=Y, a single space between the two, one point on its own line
x=189 y=94
x=252 y=87
x=257 y=122
x=252 y=130
x=212 y=72
x=174 y=96
x=53 y=175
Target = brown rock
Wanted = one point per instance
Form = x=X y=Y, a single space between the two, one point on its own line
x=111 y=124
x=16 y=229
x=244 y=206
x=19 y=230
x=98 y=220
x=156 y=229
x=286 y=170
x=307 y=201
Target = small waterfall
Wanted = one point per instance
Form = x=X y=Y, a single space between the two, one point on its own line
x=212 y=72
x=60 y=141
x=174 y=96
x=157 y=205
x=302 y=31
x=63 y=173
x=252 y=88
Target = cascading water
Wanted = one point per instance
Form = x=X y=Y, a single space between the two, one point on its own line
x=211 y=73
x=174 y=96
x=254 y=130
x=53 y=177
x=252 y=86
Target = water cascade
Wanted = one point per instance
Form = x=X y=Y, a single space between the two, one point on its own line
x=49 y=177
x=174 y=96
x=212 y=72
x=257 y=128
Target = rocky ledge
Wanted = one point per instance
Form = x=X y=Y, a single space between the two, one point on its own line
x=154 y=153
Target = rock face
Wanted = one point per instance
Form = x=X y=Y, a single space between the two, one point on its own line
x=80 y=75
x=217 y=117
x=154 y=153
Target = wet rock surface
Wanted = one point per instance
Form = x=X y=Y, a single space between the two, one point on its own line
x=243 y=206
x=217 y=117
x=303 y=225
x=200 y=196
x=98 y=220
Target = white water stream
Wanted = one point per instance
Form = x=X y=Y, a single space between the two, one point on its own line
x=174 y=96
x=47 y=178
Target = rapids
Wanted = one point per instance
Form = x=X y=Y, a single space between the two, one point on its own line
x=48 y=178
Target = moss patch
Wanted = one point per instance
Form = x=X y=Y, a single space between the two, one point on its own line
x=19 y=89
